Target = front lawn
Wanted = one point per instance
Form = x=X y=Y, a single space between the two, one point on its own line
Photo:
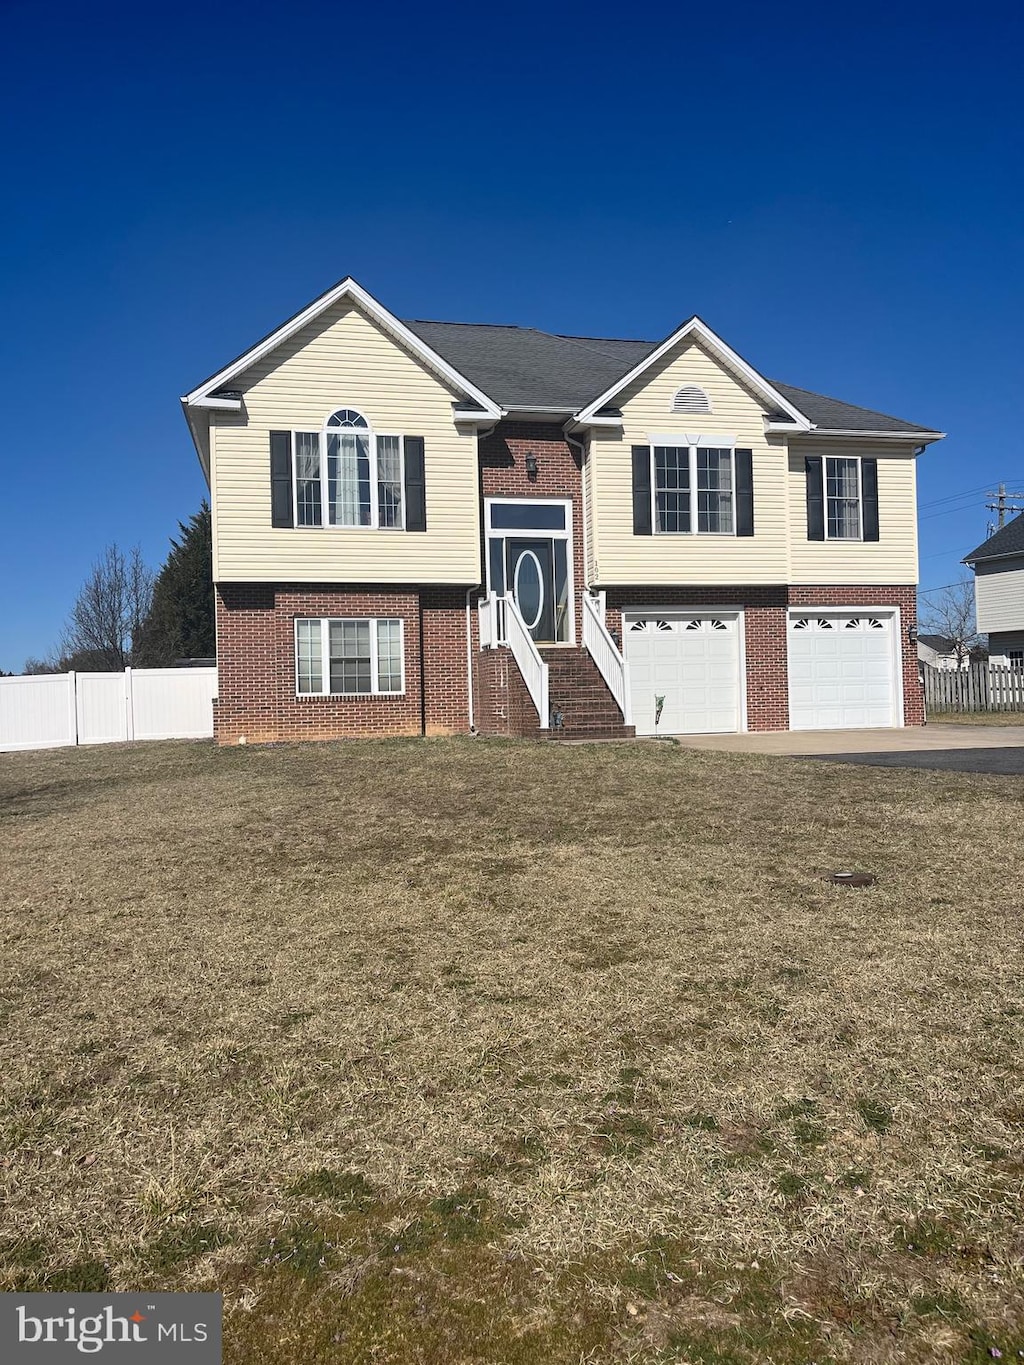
x=976 y=717
x=514 y=1054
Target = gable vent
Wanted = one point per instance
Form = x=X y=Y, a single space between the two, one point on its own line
x=691 y=399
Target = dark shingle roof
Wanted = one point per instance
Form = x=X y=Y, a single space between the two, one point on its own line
x=939 y=643
x=1008 y=541
x=523 y=367
x=833 y=414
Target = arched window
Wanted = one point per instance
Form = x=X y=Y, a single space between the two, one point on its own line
x=690 y=398
x=348 y=475
x=348 y=440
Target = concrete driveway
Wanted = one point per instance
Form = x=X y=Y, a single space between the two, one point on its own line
x=956 y=748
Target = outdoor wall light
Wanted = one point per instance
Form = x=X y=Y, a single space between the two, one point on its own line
x=531 y=465
x=912 y=634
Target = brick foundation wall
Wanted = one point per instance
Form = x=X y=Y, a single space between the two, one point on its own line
x=503 y=475
x=257 y=700
x=765 y=635
x=504 y=707
x=446 y=698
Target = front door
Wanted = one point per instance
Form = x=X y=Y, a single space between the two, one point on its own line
x=530 y=575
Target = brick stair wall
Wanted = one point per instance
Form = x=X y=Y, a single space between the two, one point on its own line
x=576 y=688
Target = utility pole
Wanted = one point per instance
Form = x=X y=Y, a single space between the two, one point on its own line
x=1004 y=502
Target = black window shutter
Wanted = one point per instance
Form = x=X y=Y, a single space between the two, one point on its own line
x=415 y=485
x=815 y=498
x=869 y=495
x=281 y=479
x=744 y=492
x=641 y=490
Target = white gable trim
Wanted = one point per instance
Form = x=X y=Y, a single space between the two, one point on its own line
x=701 y=332
x=347 y=289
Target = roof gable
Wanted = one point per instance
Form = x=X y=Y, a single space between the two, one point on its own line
x=698 y=330
x=345 y=289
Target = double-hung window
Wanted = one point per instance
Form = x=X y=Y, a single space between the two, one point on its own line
x=345 y=475
x=349 y=656
x=843 y=498
x=693 y=489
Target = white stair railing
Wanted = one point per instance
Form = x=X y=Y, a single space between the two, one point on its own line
x=601 y=648
x=527 y=656
x=492 y=621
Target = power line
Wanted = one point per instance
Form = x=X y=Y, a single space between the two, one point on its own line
x=927 y=592
x=953 y=497
x=966 y=493
x=947 y=511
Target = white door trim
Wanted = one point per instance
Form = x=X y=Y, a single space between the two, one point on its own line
x=897 y=654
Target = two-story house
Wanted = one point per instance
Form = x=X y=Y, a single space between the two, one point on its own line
x=447 y=528
x=998 y=565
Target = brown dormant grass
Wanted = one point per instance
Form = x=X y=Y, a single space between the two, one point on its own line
x=977 y=718
x=512 y=1053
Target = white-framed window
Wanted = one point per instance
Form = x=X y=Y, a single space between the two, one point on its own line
x=349 y=656
x=1016 y=657
x=843 y=500
x=347 y=475
x=693 y=489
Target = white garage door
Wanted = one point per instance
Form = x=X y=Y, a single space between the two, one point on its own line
x=842 y=671
x=693 y=662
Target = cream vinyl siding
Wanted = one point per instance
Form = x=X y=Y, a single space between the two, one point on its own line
x=622 y=557
x=999 y=595
x=890 y=559
x=588 y=516
x=342 y=359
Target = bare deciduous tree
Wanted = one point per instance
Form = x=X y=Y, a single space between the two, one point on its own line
x=950 y=613
x=108 y=615
x=35 y=666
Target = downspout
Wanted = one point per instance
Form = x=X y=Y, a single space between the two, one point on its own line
x=480 y=435
x=469 y=657
x=571 y=440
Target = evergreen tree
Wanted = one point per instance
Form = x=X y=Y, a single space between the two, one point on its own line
x=180 y=624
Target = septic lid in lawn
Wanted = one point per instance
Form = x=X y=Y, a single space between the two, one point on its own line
x=852 y=878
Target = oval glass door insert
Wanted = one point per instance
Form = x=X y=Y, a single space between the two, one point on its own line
x=528 y=588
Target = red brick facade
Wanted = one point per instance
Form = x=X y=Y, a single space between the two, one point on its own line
x=257 y=699
x=503 y=475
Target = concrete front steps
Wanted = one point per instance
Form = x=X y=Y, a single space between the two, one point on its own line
x=576 y=688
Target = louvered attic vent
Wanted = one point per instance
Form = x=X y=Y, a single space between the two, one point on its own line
x=691 y=399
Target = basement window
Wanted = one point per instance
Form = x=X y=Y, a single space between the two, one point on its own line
x=349 y=657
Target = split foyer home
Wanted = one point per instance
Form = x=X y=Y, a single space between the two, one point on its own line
x=449 y=528
x=998 y=565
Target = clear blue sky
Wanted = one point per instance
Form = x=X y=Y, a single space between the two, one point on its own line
x=837 y=192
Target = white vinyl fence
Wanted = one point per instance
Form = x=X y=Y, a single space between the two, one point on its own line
x=50 y=710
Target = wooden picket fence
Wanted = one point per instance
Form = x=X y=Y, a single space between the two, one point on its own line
x=980 y=687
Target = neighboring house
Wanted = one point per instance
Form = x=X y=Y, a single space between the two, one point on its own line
x=439 y=528
x=940 y=652
x=998 y=566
